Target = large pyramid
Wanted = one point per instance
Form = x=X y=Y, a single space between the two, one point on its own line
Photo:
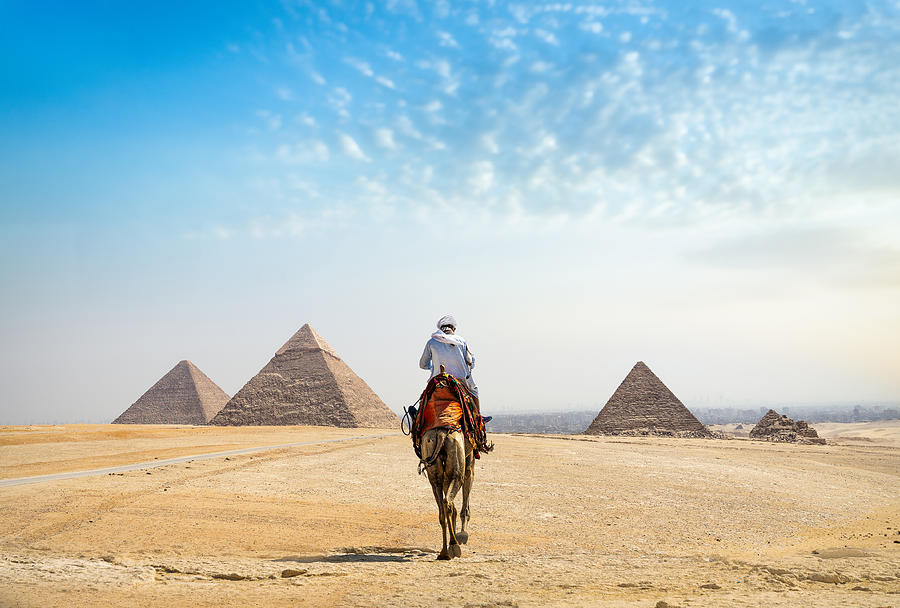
x=307 y=383
x=185 y=395
x=643 y=405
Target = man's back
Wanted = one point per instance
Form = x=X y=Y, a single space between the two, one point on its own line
x=451 y=356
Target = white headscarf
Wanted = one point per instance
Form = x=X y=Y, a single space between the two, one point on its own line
x=448 y=338
x=446 y=320
x=440 y=336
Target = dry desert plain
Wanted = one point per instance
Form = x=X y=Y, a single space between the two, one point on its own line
x=556 y=520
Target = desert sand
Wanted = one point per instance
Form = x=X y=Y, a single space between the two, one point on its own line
x=556 y=521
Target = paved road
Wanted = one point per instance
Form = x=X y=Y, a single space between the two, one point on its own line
x=18 y=481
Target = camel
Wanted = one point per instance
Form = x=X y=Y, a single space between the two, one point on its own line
x=449 y=463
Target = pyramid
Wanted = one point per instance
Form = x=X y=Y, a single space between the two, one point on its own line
x=772 y=427
x=185 y=395
x=643 y=405
x=307 y=383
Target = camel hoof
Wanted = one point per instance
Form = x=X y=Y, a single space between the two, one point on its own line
x=462 y=537
x=455 y=551
x=443 y=555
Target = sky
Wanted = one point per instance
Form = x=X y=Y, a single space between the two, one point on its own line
x=710 y=187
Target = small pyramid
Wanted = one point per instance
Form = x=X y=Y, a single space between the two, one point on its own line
x=306 y=383
x=185 y=395
x=643 y=405
x=775 y=427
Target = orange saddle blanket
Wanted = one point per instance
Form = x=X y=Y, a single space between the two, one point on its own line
x=442 y=410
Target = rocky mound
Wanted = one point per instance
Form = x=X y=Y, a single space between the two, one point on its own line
x=643 y=405
x=775 y=427
x=306 y=383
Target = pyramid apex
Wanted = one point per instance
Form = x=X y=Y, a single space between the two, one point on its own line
x=307 y=338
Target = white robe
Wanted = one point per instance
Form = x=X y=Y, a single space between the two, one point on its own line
x=450 y=351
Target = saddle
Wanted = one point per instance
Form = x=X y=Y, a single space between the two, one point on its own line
x=447 y=403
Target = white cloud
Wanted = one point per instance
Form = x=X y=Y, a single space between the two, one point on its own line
x=482 y=177
x=305 y=119
x=351 y=148
x=317 y=78
x=446 y=39
x=339 y=100
x=539 y=67
x=394 y=55
x=728 y=17
x=406 y=126
x=272 y=120
x=443 y=69
x=371 y=186
x=442 y=9
x=595 y=27
x=502 y=38
x=520 y=13
x=545 y=145
x=541 y=177
x=363 y=67
x=284 y=94
x=291 y=225
x=548 y=37
x=302 y=153
x=384 y=137
x=366 y=70
x=385 y=82
x=299 y=185
x=489 y=141
x=404 y=6
x=222 y=233
x=440 y=66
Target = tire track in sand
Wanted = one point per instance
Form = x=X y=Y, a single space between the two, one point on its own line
x=79 y=518
x=18 y=481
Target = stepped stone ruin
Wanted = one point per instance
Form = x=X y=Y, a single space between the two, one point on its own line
x=773 y=427
x=643 y=405
x=185 y=395
x=306 y=383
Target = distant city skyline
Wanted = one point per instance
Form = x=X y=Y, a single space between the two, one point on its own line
x=712 y=188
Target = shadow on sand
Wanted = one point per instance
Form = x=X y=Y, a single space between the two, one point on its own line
x=362 y=554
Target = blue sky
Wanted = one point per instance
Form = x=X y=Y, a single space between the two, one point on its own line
x=713 y=188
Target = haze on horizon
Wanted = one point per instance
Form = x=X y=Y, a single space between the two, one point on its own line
x=712 y=188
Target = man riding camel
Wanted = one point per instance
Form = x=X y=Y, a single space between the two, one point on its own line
x=446 y=349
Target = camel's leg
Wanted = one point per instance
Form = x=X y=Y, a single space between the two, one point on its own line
x=462 y=536
x=450 y=513
x=437 y=489
x=449 y=508
x=453 y=479
x=430 y=443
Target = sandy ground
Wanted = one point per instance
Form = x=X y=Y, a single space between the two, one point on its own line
x=557 y=521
